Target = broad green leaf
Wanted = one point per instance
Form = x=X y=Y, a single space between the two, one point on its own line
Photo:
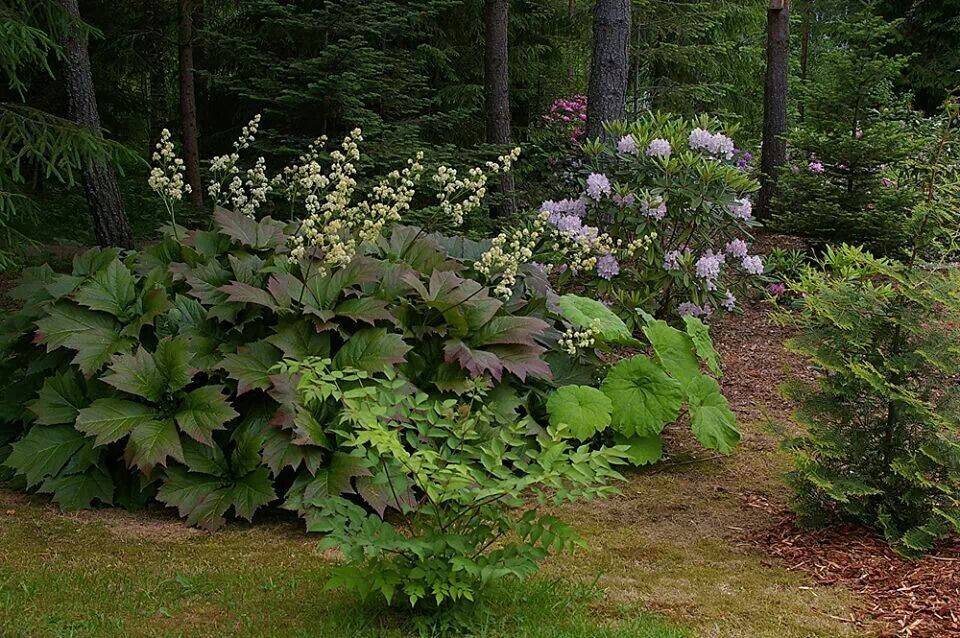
x=711 y=419
x=675 y=351
x=200 y=498
x=251 y=365
x=584 y=410
x=112 y=290
x=585 y=313
x=79 y=491
x=152 y=443
x=641 y=450
x=280 y=452
x=95 y=336
x=111 y=419
x=60 y=398
x=700 y=335
x=137 y=374
x=252 y=491
x=645 y=398
x=205 y=459
x=153 y=304
x=259 y=235
x=202 y=411
x=372 y=350
x=298 y=339
x=44 y=452
x=336 y=478
x=93 y=261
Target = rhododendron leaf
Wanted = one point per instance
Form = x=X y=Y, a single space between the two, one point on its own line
x=645 y=398
x=79 y=491
x=584 y=410
x=366 y=309
x=112 y=419
x=585 y=313
x=298 y=339
x=371 y=350
x=44 y=452
x=246 y=293
x=202 y=411
x=700 y=335
x=60 y=399
x=152 y=443
x=506 y=330
x=711 y=419
x=476 y=362
x=675 y=350
x=251 y=365
x=522 y=361
x=259 y=235
x=111 y=290
x=95 y=336
x=641 y=450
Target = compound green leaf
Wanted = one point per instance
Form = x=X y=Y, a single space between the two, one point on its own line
x=111 y=419
x=584 y=410
x=711 y=419
x=645 y=398
x=251 y=365
x=152 y=443
x=112 y=290
x=372 y=350
x=60 y=399
x=95 y=336
x=79 y=491
x=44 y=452
x=251 y=492
x=203 y=411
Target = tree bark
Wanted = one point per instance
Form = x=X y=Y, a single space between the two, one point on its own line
x=154 y=41
x=188 y=105
x=110 y=224
x=804 y=54
x=496 y=81
x=609 y=68
x=773 y=152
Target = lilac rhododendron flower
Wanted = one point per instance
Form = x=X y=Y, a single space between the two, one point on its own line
x=659 y=148
x=729 y=302
x=657 y=210
x=598 y=185
x=776 y=289
x=569 y=224
x=742 y=208
x=626 y=200
x=886 y=182
x=753 y=264
x=708 y=268
x=716 y=144
x=816 y=167
x=737 y=248
x=671 y=260
x=688 y=308
x=608 y=267
x=627 y=145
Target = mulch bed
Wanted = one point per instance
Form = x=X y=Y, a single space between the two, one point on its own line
x=907 y=598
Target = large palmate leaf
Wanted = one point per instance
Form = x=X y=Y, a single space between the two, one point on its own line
x=112 y=419
x=476 y=362
x=645 y=398
x=152 y=443
x=279 y=452
x=641 y=450
x=203 y=499
x=258 y=235
x=203 y=411
x=44 y=452
x=299 y=339
x=675 y=350
x=60 y=399
x=94 y=335
x=509 y=330
x=711 y=419
x=79 y=491
x=152 y=376
x=92 y=261
x=112 y=290
x=522 y=361
x=700 y=335
x=366 y=309
x=584 y=410
x=336 y=478
x=587 y=313
x=372 y=350
x=247 y=293
x=251 y=365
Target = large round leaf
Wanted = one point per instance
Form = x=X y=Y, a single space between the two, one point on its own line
x=645 y=398
x=711 y=419
x=584 y=410
x=641 y=450
x=585 y=313
x=675 y=350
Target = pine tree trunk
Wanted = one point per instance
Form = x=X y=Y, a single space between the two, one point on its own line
x=804 y=54
x=110 y=224
x=153 y=15
x=773 y=153
x=188 y=105
x=609 y=70
x=496 y=80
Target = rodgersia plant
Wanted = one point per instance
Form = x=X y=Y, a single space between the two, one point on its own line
x=661 y=222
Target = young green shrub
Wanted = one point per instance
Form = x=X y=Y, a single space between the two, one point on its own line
x=467 y=476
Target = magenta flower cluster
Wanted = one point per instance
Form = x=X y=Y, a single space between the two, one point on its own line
x=569 y=112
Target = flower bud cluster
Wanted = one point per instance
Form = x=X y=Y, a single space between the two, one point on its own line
x=573 y=340
x=228 y=188
x=166 y=177
x=459 y=196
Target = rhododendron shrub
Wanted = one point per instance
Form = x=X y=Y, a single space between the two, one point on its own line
x=661 y=221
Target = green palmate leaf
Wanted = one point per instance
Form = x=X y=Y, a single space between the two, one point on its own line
x=259 y=235
x=584 y=410
x=251 y=365
x=585 y=313
x=112 y=290
x=205 y=459
x=700 y=335
x=202 y=411
x=279 y=452
x=336 y=478
x=44 y=452
x=93 y=261
x=246 y=293
x=60 y=399
x=152 y=376
x=299 y=339
x=644 y=397
x=522 y=361
x=476 y=362
x=711 y=419
x=675 y=350
x=203 y=499
x=111 y=419
x=94 y=335
x=152 y=443
x=79 y=491
x=154 y=303
x=372 y=350
x=366 y=309
x=641 y=450
x=251 y=492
